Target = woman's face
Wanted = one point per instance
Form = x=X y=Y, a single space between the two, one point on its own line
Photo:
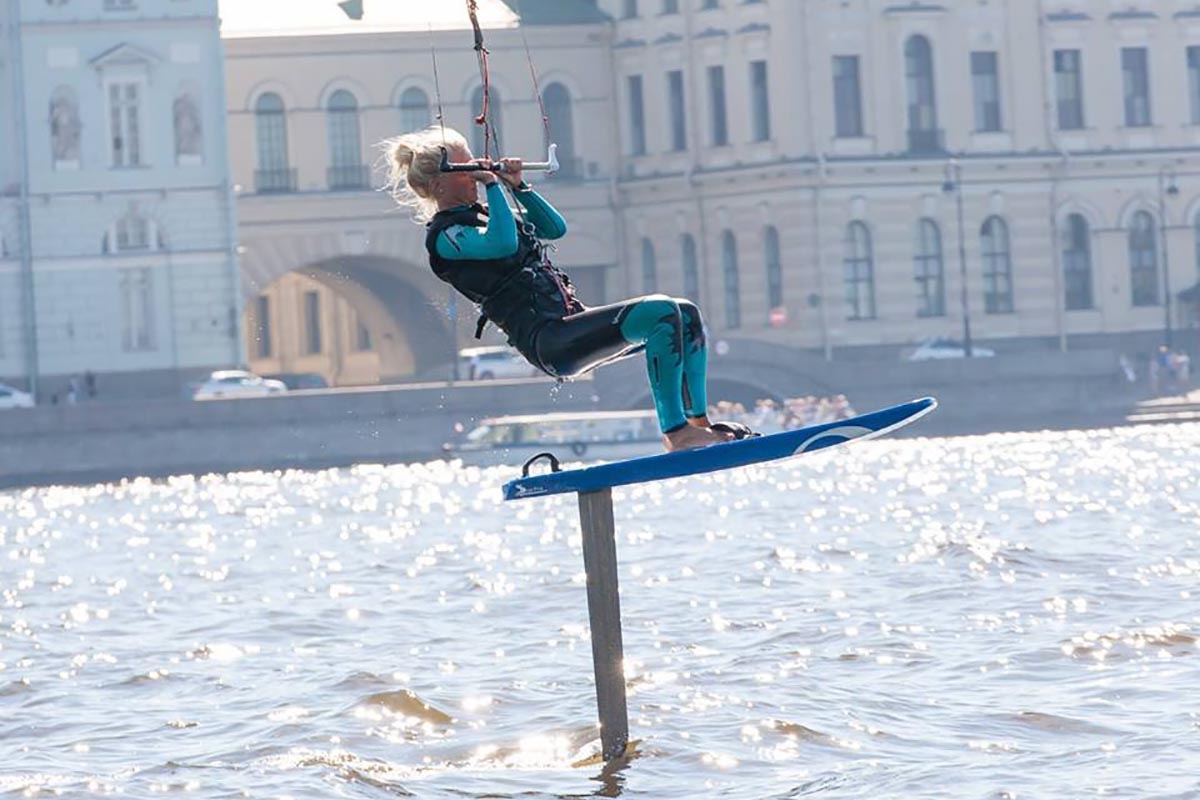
x=458 y=188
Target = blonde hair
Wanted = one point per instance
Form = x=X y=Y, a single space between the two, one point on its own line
x=414 y=167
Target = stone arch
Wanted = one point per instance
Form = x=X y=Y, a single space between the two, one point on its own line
x=749 y=369
x=1075 y=205
x=362 y=97
x=404 y=307
x=273 y=86
x=1138 y=202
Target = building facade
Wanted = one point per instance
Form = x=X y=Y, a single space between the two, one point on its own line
x=849 y=176
x=117 y=214
x=837 y=177
x=841 y=177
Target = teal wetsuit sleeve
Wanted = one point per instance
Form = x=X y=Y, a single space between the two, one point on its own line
x=549 y=223
x=497 y=240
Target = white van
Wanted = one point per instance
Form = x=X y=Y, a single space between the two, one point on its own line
x=486 y=363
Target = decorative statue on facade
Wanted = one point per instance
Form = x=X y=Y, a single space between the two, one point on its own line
x=189 y=133
x=64 y=126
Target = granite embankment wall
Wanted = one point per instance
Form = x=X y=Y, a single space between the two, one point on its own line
x=100 y=441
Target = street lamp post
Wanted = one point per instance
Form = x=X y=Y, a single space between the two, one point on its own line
x=953 y=183
x=1166 y=186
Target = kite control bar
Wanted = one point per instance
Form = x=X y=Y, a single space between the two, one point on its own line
x=549 y=166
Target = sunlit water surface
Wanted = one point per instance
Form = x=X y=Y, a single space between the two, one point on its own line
x=1005 y=616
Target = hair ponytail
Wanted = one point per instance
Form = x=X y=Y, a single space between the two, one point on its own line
x=414 y=167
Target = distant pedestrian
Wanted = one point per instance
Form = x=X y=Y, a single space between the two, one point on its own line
x=73 y=390
x=89 y=381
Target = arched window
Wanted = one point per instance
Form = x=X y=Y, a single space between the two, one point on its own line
x=562 y=128
x=414 y=110
x=1077 y=264
x=931 y=281
x=997 y=266
x=733 y=294
x=274 y=173
x=497 y=133
x=1143 y=260
x=691 y=268
x=649 y=268
x=859 y=272
x=774 y=268
x=346 y=170
x=923 y=134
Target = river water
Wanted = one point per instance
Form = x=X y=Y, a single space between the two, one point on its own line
x=1005 y=616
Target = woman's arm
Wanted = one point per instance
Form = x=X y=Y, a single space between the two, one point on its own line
x=498 y=240
x=549 y=223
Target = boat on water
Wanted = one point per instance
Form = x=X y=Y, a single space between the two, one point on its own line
x=583 y=436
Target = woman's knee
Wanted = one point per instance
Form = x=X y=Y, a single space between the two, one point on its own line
x=654 y=310
x=659 y=303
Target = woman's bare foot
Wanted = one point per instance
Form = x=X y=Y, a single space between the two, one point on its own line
x=692 y=436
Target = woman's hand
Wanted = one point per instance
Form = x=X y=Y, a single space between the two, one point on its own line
x=512 y=171
x=484 y=176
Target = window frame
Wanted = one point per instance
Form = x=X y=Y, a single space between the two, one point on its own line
x=995 y=248
x=989 y=116
x=855 y=262
x=923 y=260
x=1144 y=284
x=847 y=121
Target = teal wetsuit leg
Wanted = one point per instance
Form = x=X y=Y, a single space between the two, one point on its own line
x=695 y=359
x=656 y=321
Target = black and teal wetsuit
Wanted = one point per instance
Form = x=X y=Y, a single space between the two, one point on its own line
x=498 y=264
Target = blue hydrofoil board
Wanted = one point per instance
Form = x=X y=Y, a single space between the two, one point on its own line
x=720 y=456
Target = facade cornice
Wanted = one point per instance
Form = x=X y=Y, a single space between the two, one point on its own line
x=1068 y=16
x=915 y=8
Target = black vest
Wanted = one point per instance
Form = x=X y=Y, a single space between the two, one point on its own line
x=519 y=294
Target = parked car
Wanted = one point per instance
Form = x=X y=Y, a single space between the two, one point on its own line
x=14 y=398
x=938 y=347
x=237 y=383
x=300 y=380
x=485 y=363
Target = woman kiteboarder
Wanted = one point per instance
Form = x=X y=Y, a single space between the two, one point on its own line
x=500 y=264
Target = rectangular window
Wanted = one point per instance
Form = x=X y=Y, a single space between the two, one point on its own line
x=124 y=124
x=985 y=77
x=629 y=9
x=362 y=338
x=262 y=326
x=760 y=101
x=1135 y=73
x=1068 y=86
x=137 y=309
x=678 y=110
x=670 y=7
x=716 y=106
x=1193 y=68
x=637 y=117
x=312 y=323
x=847 y=97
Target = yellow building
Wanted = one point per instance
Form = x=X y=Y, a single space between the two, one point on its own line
x=841 y=178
